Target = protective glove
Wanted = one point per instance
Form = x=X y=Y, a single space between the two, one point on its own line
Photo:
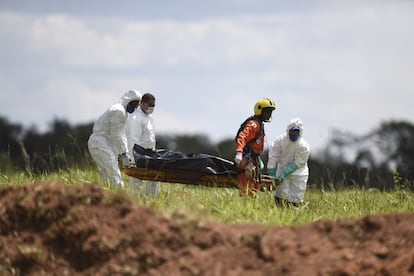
x=272 y=173
x=260 y=162
x=126 y=162
x=290 y=168
x=238 y=157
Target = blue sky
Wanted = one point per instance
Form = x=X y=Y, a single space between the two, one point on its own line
x=335 y=64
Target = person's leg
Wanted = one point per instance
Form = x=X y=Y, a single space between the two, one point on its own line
x=249 y=182
x=243 y=188
x=136 y=185
x=291 y=191
x=107 y=165
x=281 y=202
x=297 y=189
x=281 y=192
x=152 y=188
x=246 y=186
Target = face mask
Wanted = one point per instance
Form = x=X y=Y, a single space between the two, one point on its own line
x=130 y=109
x=293 y=137
x=149 y=110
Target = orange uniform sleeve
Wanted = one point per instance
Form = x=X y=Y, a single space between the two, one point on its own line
x=249 y=132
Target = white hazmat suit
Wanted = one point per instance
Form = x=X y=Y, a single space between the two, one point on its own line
x=289 y=161
x=140 y=130
x=108 y=139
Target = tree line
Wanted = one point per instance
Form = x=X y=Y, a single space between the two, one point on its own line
x=372 y=160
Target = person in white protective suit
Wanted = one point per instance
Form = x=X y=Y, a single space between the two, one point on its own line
x=108 y=139
x=140 y=130
x=288 y=162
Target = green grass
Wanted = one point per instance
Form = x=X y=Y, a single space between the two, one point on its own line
x=225 y=205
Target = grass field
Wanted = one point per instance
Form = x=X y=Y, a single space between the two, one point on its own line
x=225 y=205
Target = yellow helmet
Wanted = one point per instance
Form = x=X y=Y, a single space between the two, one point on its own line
x=263 y=103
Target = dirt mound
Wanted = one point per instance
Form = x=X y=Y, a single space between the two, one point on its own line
x=53 y=229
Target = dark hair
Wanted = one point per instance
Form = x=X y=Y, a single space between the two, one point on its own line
x=147 y=97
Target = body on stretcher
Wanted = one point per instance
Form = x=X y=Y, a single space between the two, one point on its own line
x=191 y=169
x=193 y=178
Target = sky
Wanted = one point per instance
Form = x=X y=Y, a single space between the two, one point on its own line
x=335 y=64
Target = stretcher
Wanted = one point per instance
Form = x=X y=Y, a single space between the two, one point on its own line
x=194 y=178
x=183 y=177
x=190 y=169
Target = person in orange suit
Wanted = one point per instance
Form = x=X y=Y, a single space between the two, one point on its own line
x=249 y=146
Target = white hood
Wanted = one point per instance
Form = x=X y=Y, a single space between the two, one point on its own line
x=131 y=95
x=296 y=122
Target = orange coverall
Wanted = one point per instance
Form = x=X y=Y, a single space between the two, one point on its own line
x=250 y=141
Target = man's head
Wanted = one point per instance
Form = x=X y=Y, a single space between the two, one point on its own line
x=264 y=108
x=294 y=134
x=130 y=100
x=295 y=129
x=147 y=103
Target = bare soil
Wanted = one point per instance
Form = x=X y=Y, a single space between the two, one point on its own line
x=55 y=229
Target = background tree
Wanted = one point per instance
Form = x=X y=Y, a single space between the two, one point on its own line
x=10 y=136
x=197 y=143
x=61 y=147
x=396 y=142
